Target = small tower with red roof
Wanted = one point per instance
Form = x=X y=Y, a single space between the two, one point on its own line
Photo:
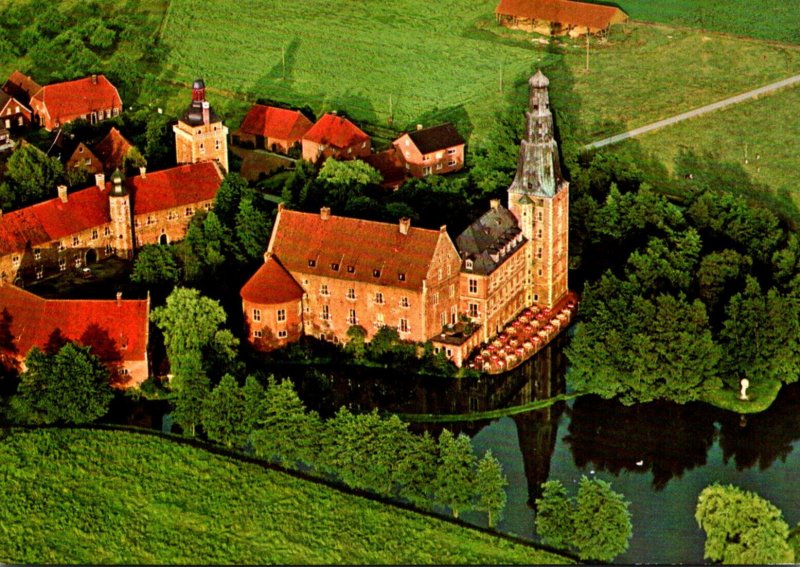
x=200 y=134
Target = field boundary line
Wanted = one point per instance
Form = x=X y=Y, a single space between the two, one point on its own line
x=713 y=107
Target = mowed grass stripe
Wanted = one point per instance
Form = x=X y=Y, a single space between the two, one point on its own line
x=81 y=496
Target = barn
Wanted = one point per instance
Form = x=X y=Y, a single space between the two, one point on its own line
x=558 y=17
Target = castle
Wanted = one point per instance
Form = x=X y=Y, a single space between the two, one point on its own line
x=323 y=273
x=118 y=216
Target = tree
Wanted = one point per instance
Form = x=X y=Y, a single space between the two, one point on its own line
x=253 y=227
x=349 y=173
x=741 y=527
x=189 y=321
x=155 y=266
x=602 y=521
x=223 y=413
x=190 y=386
x=554 y=511
x=455 y=474
x=597 y=523
x=416 y=469
x=230 y=194
x=70 y=386
x=33 y=174
x=284 y=430
x=490 y=488
x=356 y=345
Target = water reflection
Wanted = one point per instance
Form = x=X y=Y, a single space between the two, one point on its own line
x=662 y=438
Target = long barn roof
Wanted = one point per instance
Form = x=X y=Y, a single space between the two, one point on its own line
x=593 y=16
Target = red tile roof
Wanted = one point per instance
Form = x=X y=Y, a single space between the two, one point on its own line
x=158 y=190
x=112 y=149
x=271 y=284
x=594 y=16
x=52 y=220
x=34 y=319
x=65 y=101
x=389 y=166
x=174 y=187
x=368 y=247
x=277 y=123
x=21 y=86
x=333 y=130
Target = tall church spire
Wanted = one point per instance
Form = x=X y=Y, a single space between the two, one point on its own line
x=538 y=167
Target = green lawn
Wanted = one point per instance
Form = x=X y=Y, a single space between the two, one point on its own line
x=757 y=136
x=764 y=19
x=79 y=496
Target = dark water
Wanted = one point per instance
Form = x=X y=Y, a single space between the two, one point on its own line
x=659 y=455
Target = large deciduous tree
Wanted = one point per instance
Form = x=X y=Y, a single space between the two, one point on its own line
x=454 y=485
x=490 y=488
x=155 y=266
x=33 y=175
x=741 y=527
x=223 y=413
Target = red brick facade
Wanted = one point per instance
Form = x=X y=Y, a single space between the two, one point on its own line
x=200 y=134
x=431 y=151
x=79 y=228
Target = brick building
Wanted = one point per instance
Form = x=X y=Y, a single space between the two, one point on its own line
x=91 y=98
x=271 y=128
x=494 y=270
x=539 y=199
x=110 y=218
x=117 y=330
x=200 y=134
x=15 y=101
x=336 y=137
x=435 y=150
x=83 y=156
x=323 y=274
x=106 y=156
x=406 y=277
x=558 y=17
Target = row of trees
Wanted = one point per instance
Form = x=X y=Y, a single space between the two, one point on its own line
x=364 y=451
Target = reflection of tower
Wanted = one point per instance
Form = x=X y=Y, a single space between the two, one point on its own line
x=120 y=210
x=200 y=134
x=539 y=199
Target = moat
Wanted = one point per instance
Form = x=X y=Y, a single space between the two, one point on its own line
x=659 y=455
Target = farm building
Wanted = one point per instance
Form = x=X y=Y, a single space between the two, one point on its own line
x=558 y=17
x=271 y=128
x=106 y=156
x=336 y=137
x=435 y=150
x=15 y=98
x=115 y=329
x=92 y=99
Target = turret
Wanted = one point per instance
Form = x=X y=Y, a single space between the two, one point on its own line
x=121 y=224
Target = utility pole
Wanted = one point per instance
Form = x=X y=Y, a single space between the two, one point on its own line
x=391 y=113
x=587 y=48
x=283 y=61
x=501 y=77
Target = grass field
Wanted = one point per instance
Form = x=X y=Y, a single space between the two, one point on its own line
x=756 y=136
x=444 y=61
x=764 y=19
x=113 y=497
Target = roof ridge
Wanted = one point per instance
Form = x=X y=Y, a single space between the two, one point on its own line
x=411 y=227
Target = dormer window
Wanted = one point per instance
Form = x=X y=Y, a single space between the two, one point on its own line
x=335 y=267
x=401 y=276
x=468 y=264
x=376 y=273
x=351 y=269
x=312 y=263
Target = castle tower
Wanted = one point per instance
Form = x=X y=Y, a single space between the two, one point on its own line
x=120 y=210
x=539 y=199
x=200 y=134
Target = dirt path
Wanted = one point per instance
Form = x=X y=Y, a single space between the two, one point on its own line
x=791 y=81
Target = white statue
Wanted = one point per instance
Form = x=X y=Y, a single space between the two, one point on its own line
x=745 y=383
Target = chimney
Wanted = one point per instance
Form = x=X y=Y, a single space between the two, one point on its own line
x=325 y=213
x=206 y=112
x=94 y=78
x=100 y=180
x=494 y=203
x=405 y=224
x=419 y=126
x=267 y=256
x=1 y=214
x=119 y=298
x=281 y=206
x=443 y=228
x=62 y=193
x=143 y=172
x=334 y=112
